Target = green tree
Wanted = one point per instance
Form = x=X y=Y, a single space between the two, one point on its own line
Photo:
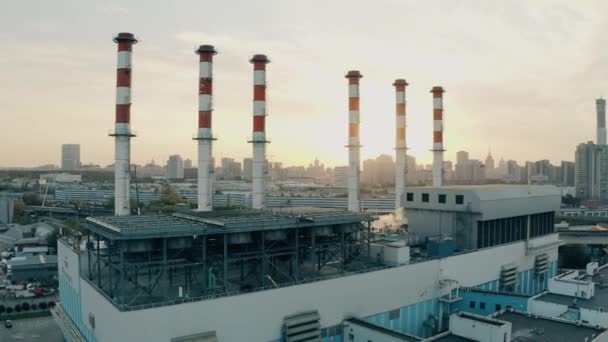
x=571 y=201
x=31 y=198
x=52 y=238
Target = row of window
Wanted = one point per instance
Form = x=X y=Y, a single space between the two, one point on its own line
x=482 y=306
x=441 y=198
x=502 y=231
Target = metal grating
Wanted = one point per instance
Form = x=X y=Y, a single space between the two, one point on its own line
x=508 y=275
x=303 y=327
x=204 y=337
x=541 y=264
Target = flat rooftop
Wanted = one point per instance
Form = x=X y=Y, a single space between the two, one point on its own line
x=599 y=299
x=526 y=328
x=482 y=319
x=392 y=333
x=191 y=222
x=31 y=261
x=452 y=338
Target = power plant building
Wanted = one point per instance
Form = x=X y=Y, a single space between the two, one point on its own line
x=283 y=273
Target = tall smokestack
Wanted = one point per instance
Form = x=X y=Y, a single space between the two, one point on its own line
x=122 y=130
x=400 y=145
x=259 y=131
x=601 y=121
x=205 y=134
x=354 y=144
x=437 y=136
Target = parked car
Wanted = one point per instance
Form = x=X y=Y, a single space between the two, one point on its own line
x=8 y=324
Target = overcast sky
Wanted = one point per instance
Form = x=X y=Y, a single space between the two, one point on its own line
x=521 y=76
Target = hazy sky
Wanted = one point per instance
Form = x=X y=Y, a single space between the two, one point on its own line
x=521 y=76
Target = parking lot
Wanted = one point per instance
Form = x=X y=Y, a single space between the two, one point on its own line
x=33 y=329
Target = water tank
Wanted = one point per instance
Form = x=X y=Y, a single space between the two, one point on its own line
x=179 y=243
x=139 y=246
x=240 y=238
x=275 y=235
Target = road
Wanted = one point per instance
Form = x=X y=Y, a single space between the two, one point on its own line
x=32 y=330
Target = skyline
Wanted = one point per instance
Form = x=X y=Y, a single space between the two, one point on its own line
x=493 y=90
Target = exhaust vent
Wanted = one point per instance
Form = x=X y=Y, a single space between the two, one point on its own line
x=541 y=264
x=508 y=275
x=303 y=327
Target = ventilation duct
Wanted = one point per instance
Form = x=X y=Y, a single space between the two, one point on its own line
x=303 y=327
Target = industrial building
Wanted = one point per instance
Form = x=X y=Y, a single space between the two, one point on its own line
x=289 y=274
x=28 y=267
x=481 y=216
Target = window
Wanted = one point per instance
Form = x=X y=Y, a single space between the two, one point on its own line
x=351 y=337
x=393 y=314
x=425 y=198
x=472 y=304
x=410 y=197
x=498 y=307
x=459 y=199
x=482 y=305
x=442 y=198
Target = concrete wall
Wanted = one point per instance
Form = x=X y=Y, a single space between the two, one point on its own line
x=546 y=309
x=70 y=294
x=566 y=284
x=412 y=289
x=490 y=300
x=478 y=330
x=595 y=317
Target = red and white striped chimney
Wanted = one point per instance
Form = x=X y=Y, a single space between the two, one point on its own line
x=437 y=135
x=401 y=144
x=259 y=131
x=354 y=144
x=122 y=130
x=205 y=134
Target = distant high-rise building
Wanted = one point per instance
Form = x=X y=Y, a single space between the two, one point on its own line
x=512 y=172
x=462 y=156
x=601 y=121
x=378 y=171
x=591 y=171
x=187 y=163
x=490 y=166
x=175 y=167
x=248 y=169
x=340 y=176
x=470 y=171
x=543 y=171
x=230 y=169
x=448 y=170
x=70 y=157
x=567 y=173
x=501 y=170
